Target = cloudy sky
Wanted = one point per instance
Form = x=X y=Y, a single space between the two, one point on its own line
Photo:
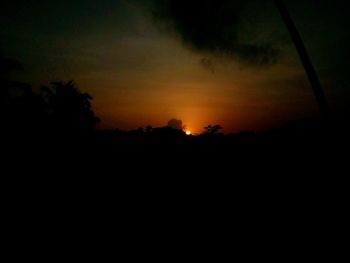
x=203 y=62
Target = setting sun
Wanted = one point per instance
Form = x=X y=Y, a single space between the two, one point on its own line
x=188 y=133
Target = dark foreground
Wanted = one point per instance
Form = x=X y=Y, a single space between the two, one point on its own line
x=297 y=151
x=286 y=190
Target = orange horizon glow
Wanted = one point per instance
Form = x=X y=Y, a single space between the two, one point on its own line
x=139 y=75
x=188 y=133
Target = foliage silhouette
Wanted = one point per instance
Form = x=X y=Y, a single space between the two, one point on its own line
x=21 y=108
x=176 y=124
x=68 y=108
x=61 y=109
x=213 y=129
x=61 y=116
x=149 y=129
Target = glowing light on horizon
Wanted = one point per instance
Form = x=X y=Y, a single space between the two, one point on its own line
x=188 y=133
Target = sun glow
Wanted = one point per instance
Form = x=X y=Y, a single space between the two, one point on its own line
x=188 y=133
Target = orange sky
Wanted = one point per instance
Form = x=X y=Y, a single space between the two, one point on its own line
x=140 y=75
x=153 y=81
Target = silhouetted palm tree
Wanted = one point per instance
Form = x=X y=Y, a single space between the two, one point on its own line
x=304 y=56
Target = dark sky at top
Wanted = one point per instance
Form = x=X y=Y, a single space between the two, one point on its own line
x=204 y=62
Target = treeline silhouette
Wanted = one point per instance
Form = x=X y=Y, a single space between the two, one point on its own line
x=61 y=115
x=51 y=146
x=61 y=112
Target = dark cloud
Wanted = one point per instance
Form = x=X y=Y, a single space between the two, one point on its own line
x=214 y=27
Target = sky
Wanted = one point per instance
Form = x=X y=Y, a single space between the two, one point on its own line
x=203 y=62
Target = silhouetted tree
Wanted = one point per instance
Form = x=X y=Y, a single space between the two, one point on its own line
x=212 y=129
x=22 y=110
x=175 y=124
x=140 y=130
x=305 y=58
x=6 y=67
x=149 y=129
x=69 y=109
